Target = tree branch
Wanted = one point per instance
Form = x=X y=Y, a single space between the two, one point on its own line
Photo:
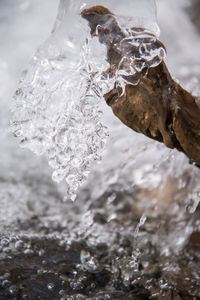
x=157 y=106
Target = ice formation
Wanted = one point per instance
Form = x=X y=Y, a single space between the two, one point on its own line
x=101 y=246
x=56 y=108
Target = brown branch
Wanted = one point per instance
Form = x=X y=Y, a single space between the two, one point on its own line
x=157 y=106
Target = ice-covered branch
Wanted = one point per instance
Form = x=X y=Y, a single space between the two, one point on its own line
x=150 y=102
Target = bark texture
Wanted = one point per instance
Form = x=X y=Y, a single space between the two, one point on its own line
x=161 y=109
x=157 y=106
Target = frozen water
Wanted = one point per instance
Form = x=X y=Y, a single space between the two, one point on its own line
x=56 y=108
x=59 y=101
x=92 y=249
x=131 y=14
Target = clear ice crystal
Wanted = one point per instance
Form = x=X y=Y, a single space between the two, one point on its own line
x=57 y=106
x=56 y=110
x=141 y=50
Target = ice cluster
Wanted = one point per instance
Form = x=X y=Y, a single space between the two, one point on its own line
x=140 y=51
x=134 y=229
x=56 y=109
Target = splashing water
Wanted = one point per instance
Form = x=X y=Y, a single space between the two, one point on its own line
x=57 y=104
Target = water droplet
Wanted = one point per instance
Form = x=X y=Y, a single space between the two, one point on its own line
x=5 y=283
x=28 y=251
x=50 y=286
x=13 y=290
x=89 y=262
x=18 y=133
x=19 y=245
x=4 y=242
x=7 y=249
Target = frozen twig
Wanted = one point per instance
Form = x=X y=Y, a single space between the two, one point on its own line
x=154 y=105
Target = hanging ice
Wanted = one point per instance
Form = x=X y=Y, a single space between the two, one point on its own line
x=56 y=107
